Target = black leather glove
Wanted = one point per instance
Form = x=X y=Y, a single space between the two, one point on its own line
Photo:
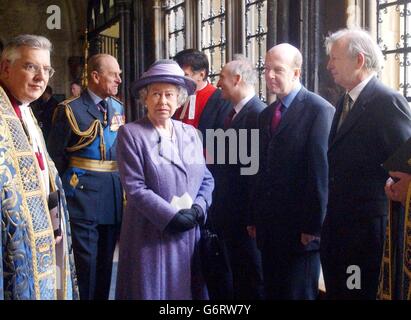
x=186 y=219
x=199 y=213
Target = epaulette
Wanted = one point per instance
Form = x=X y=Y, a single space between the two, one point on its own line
x=62 y=106
x=67 y=101
x=119 y=101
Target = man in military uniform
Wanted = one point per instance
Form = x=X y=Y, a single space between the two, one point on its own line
x=83 y=146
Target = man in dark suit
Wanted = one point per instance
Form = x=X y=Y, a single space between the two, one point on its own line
x=83 y=146
x=370 y=123
x=206 y=109
x=231 y=199
x=291 y=193
x=43 y=109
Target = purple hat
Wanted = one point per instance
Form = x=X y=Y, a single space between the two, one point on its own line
x=167 y=71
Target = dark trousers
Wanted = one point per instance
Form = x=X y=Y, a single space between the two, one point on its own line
x=93 y=247
x=358 y=243
x=245 y=264
x=290 y=275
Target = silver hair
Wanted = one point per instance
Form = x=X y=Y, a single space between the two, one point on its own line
x=10 y=52
x=181 y=98
x=358 y=41
x=240 y=65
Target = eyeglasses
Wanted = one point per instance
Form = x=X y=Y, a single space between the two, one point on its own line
x=35 y=69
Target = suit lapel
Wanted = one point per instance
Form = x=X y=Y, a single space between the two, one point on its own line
x=354 y=115
x=91 y=107
x=243 y=112
x=336 y=119
x=265 y=122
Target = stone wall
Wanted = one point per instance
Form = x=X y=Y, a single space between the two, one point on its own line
x=28 y=16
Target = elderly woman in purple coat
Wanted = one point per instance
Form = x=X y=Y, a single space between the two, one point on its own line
x=168 y=190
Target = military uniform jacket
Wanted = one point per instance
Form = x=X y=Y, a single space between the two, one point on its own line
x=80 y=130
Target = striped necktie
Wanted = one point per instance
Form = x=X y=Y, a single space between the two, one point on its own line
x=347 y=105
x=103 y=105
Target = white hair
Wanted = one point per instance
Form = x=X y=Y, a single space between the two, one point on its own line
x=182 y=95
x=11 y=53
x=240 y=65
x=358 y=41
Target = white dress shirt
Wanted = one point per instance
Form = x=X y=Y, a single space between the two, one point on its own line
x=239 y=106
x=356 y=91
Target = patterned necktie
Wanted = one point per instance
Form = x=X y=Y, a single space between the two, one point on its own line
x=276 y=119
x=103 y=108
x=229 y=119
x=347 y=105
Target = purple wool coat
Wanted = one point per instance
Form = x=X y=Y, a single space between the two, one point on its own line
x=153 y=263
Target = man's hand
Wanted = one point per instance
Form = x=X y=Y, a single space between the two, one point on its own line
x=307 y=238
x=58 y=239
x=397 y=191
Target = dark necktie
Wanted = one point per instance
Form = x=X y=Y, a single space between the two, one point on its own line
x=347 y=105
x=229 y=119
x=276 y=119
x=103 y=108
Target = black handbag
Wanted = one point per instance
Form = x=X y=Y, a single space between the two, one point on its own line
x=215 y=265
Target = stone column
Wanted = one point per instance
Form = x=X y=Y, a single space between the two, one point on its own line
x=124 y=12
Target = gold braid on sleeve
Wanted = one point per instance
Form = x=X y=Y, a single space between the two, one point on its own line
x=86 y=137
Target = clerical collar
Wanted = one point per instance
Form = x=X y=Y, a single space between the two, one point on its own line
x=14 y=102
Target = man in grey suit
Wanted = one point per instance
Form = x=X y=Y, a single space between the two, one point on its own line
x=291 y=193
x=370 y=123
x=231 y=199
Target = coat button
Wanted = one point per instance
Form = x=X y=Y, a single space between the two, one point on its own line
x=81 y=187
